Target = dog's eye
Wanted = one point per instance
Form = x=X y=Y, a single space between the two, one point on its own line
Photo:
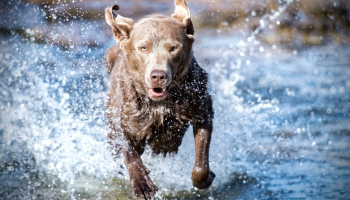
x=172 y=48
x=143 y=48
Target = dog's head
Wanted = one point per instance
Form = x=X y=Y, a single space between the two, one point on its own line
x=157 y=47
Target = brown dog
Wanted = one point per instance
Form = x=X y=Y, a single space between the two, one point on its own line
x=157 y=90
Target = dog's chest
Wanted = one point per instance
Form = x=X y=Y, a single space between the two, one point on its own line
x=159 y=114
x=166 y=137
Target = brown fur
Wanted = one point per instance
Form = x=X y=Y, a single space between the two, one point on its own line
x=157 y=90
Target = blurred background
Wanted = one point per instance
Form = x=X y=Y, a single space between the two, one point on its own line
x=302 y=23
x=279 y=75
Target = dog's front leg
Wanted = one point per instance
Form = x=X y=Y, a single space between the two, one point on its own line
x=202 y=177
x=141 y=184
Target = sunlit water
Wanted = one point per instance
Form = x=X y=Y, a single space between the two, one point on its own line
x=281 y=129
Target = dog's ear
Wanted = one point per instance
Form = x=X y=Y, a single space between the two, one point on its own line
x=182 y=14
x=121 y=26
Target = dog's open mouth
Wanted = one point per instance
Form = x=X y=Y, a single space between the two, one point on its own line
x=157 y=92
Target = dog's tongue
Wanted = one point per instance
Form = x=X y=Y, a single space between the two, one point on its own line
x=156 y=92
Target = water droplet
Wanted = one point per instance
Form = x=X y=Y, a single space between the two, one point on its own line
x=253 y=13
x=332 y=90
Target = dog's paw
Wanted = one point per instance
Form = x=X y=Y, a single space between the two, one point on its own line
x=141 y=184
x=143 y=189
x=201 y=183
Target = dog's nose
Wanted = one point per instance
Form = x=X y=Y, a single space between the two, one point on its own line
x=158 y=77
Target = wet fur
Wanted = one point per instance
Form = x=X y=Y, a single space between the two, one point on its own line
x=161 y=125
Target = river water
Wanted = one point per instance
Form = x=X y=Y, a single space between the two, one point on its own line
x=281 y=128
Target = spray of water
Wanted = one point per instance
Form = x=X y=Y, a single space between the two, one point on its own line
x=268 y=18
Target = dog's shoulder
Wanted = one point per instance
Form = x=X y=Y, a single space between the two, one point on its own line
x=196 y=77
x=112 y=56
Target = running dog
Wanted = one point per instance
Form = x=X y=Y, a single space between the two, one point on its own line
x=157 y=90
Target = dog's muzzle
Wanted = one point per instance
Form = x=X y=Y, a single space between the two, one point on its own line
x=158 y=82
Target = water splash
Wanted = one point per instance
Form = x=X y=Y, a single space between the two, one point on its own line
x=268 y=18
